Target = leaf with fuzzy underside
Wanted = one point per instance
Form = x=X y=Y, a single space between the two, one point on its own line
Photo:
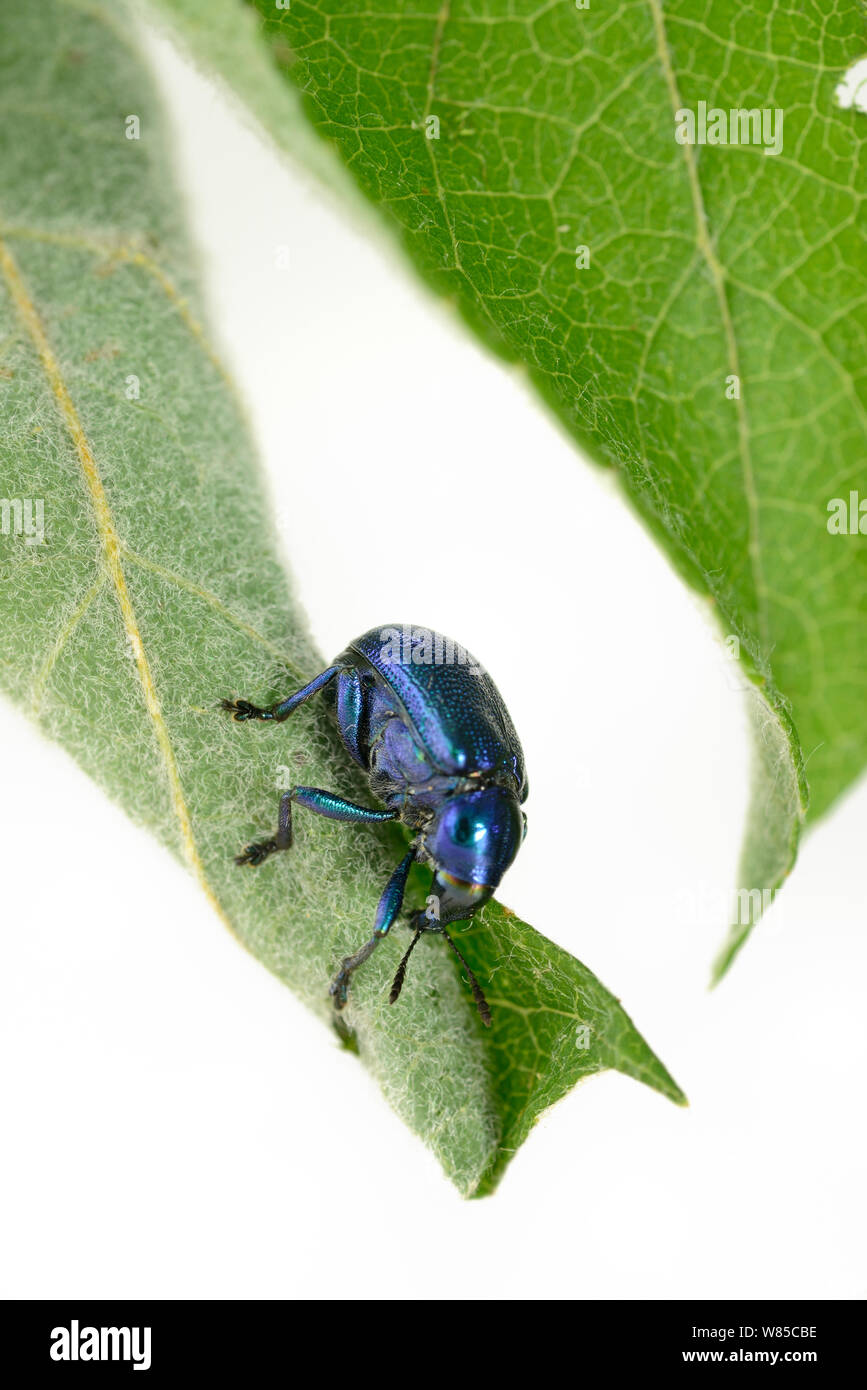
x=157 y=589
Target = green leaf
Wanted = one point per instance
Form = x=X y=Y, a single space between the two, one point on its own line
x=158 y=590
x=556 y=130
x=223 y=37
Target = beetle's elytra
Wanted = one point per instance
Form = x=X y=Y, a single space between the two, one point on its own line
x=434 y=737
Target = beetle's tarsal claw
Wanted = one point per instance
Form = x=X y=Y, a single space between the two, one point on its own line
x=242 y=710
x=338 y=988
x=256 y=853
x=340 y=984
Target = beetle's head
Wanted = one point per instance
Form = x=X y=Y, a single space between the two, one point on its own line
x=472 y=841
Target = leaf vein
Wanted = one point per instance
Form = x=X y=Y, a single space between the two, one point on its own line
x=718 y=277
x=110 y=541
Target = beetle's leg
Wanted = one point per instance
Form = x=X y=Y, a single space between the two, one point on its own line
x=337 y=807
x=324 y=804
x=350 y=701
x=389 y=907
x=242 y=710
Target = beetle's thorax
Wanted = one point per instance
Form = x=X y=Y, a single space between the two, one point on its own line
x=419 y=803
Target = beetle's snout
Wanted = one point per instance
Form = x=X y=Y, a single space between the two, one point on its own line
x=455 y=898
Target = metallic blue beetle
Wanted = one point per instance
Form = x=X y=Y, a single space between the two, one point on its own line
x=430 y=729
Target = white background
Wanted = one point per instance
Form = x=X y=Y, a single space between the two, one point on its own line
x=175 y=1123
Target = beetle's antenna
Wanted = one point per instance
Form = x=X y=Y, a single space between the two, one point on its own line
x=481 y=1001
x=401 y=970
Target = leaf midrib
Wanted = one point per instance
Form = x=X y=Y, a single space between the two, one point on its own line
x=718 y=277
x=111 y=547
